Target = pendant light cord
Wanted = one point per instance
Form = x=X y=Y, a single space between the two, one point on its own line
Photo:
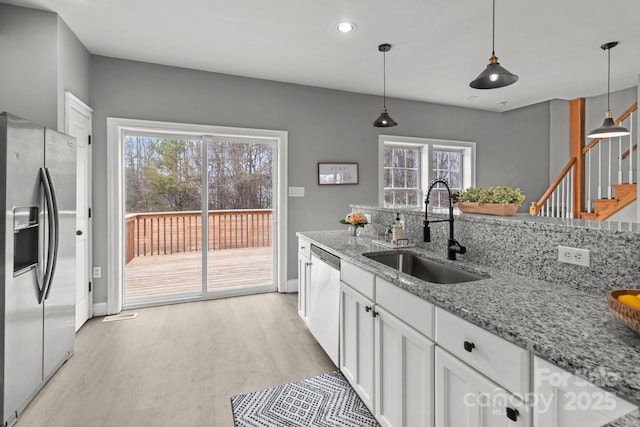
x=384 y=79
x=608 y=77
x=493 y=35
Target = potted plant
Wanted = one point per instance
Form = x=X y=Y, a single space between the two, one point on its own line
x=500 y=200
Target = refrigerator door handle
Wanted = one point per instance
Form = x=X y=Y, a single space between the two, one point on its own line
x=48 y=205
x=56 y=231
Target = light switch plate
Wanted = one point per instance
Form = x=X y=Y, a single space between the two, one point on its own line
x=574 y=256
x=296 y=191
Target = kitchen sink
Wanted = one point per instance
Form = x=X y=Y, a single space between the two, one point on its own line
x=422 y=268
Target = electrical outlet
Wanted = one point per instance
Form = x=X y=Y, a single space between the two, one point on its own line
x=575 y=256
x=97 y=272
x=296 y=191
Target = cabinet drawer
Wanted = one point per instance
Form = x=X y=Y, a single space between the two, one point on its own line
x=413 y=310
x=360 y=280
x=501 y=361
x=304 y=247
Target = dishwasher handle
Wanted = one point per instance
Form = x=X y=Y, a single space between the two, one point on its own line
x=328 y=258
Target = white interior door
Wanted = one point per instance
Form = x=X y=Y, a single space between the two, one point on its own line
x=78 y=124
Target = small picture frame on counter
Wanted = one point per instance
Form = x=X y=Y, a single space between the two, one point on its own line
x=337 y=173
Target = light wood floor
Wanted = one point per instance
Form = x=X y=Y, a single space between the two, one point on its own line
x=178 y=365
x=182 y=272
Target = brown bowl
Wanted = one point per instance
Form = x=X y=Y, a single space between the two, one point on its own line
x=628 y=316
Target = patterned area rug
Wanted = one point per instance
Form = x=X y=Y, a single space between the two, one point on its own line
x=323 y=401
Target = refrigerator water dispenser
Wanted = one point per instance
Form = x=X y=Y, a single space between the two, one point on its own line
x=25 y=232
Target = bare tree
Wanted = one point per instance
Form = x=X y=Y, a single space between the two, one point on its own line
x=165 y=174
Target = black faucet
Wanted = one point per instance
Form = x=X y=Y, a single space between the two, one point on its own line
x=453 y=247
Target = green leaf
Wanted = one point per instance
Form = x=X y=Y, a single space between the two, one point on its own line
x=501 y=195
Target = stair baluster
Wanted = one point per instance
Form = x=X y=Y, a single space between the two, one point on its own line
x=631 y=149
x=569 y=211
x=588 y=198
x=599 y=171
x=619 y=160
x=609 y=195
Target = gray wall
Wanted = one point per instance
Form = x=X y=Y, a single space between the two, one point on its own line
x=41 y=58
x=323 y=125
x=74 y=63
x=28 y=64
x=559 y=144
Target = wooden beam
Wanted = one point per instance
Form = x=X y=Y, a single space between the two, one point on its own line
x=576 y=144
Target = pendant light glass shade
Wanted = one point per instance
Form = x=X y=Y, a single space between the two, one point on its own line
x=609 y=129
x=384 y=120
x=495 y=75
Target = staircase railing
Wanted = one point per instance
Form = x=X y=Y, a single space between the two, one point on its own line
x=558 y=200
x=564 y=196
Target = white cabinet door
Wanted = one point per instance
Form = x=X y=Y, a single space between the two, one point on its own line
x=564 y=400
x=356 y=343
x=403 y=375
x=304 y=279
x=465 y=398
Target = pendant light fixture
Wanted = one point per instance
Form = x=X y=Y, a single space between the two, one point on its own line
x=609 y=129
x=384 y=120
x=495 y=75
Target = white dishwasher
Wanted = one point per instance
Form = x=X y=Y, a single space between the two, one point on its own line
x=324 y=299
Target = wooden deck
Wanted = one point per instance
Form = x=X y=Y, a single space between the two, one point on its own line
x=159 y=275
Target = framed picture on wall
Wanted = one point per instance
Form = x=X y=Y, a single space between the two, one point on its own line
x=337 y=173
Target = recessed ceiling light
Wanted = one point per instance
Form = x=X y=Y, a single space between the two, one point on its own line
x=346 y=27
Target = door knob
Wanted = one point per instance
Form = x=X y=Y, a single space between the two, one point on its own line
x=78 y=232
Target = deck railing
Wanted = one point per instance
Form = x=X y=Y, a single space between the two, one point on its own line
x=163 y=233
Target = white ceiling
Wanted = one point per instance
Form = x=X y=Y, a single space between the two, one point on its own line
x=439 y=46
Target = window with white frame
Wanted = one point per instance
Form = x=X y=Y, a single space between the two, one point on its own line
x=445 y=164
x=402 y=176
x=408 y=165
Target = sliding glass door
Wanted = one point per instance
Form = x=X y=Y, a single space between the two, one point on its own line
x=175 y=248
x=240 y=217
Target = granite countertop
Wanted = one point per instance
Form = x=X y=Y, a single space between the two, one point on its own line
x=570 y=328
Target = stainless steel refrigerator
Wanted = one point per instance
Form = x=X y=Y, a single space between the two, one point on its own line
x=37 y=240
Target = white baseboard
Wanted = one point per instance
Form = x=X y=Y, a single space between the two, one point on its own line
x=99 y=309
x=291 y=285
